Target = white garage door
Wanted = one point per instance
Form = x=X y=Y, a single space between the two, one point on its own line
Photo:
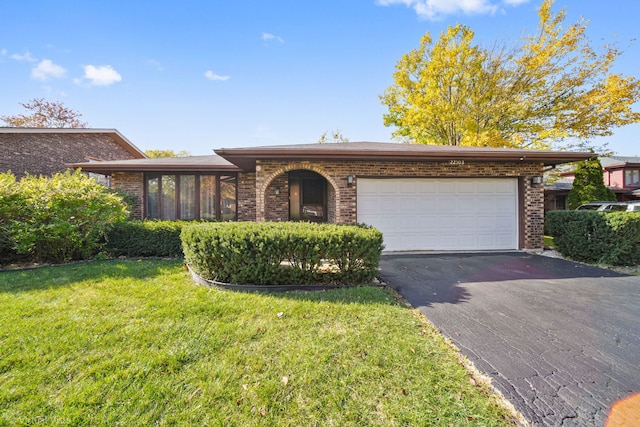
x=441 y=214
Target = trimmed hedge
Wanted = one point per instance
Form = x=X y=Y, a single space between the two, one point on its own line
x=282 y=253
x=596 y=237
x=147 y=238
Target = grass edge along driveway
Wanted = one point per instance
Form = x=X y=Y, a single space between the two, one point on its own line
x=131 y=342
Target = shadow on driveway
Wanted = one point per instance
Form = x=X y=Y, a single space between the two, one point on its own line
x=439 y=278
x=560 y=340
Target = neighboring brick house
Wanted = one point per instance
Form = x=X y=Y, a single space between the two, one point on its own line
x=45 y=151
x=421 y=197
x=621 y=174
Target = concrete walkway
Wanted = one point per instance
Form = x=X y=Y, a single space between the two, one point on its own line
x=560 y=340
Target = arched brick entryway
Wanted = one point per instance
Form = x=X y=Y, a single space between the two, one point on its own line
x=272 y=195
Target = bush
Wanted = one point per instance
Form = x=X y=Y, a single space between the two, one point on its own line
x=128 y=199
x=596 y=237
x=144 y=239
x=10 y=201
x=282 y=253
x=588 y=184
x=55 y=219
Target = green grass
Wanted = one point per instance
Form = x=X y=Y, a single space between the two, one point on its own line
x=137 y=343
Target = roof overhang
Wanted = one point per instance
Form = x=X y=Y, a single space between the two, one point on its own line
x=619 y=162
x=193 y=164
x=120 y=139
x=246 y=158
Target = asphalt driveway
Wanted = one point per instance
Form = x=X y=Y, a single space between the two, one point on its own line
x=560 y=340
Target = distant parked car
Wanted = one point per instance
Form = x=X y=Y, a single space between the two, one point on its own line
x=592 y=206
x=611 y=206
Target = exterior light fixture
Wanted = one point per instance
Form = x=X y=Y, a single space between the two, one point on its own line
x=277 y=190
x=350 y=180
x=536 y=180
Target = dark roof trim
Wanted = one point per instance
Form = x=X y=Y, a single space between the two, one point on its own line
x=244 y=159
x=205 y=164
x=366 y=151
x=113 y=133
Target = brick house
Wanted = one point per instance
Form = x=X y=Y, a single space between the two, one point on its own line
x=421 y=197
x=45 y=151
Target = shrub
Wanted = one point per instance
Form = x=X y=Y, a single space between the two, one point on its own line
x=596 y=237
x=10 y=202
x=56 y=219
x=282 y=253
x=588 y=184
x=144 y=239
x=128 y=199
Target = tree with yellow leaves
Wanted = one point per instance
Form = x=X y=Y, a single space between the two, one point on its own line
x=551 y=87
x=154 y=154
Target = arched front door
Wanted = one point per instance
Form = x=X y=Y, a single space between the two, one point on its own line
x=307 y=196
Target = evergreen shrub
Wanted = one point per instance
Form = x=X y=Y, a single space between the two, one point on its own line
x=611 y=238
x=148 y=238
x=282 y=253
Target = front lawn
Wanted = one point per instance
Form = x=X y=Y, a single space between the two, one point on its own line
x=137 y=343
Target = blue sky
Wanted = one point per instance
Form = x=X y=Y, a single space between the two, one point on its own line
x=198 y=75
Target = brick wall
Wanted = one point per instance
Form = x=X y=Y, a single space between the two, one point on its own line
x=48 y=153
x=258 y=201
x=277 y=205
x=246 y=197
x=533 y=211
x=132 y=183
x=342 y=203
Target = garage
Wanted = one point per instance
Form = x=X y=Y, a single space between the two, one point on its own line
x=441 y=214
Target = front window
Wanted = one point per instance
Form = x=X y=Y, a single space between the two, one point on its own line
x=153 y=202
x=187 y=197
x=631 y=177
x=228 y=197
x=208 y=197
x=168 y=197
x=190 y=196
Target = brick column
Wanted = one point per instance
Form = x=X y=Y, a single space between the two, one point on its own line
x=132 y=183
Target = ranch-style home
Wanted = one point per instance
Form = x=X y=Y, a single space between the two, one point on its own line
x=422 y=197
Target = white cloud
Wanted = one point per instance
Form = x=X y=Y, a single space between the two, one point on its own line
x=46 y=70
x=437 y=9
x=24 y=57
x=3 y=52
x=103 y=75
x=271 y=37
x=213 y=76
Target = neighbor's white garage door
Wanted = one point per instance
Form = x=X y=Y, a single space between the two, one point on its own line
x=441 y=214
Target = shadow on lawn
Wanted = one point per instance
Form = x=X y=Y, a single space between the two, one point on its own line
x=46 y=277
x=365 y=294
x=53 y=276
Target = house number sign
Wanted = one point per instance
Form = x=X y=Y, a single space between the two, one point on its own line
x=456 y=162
